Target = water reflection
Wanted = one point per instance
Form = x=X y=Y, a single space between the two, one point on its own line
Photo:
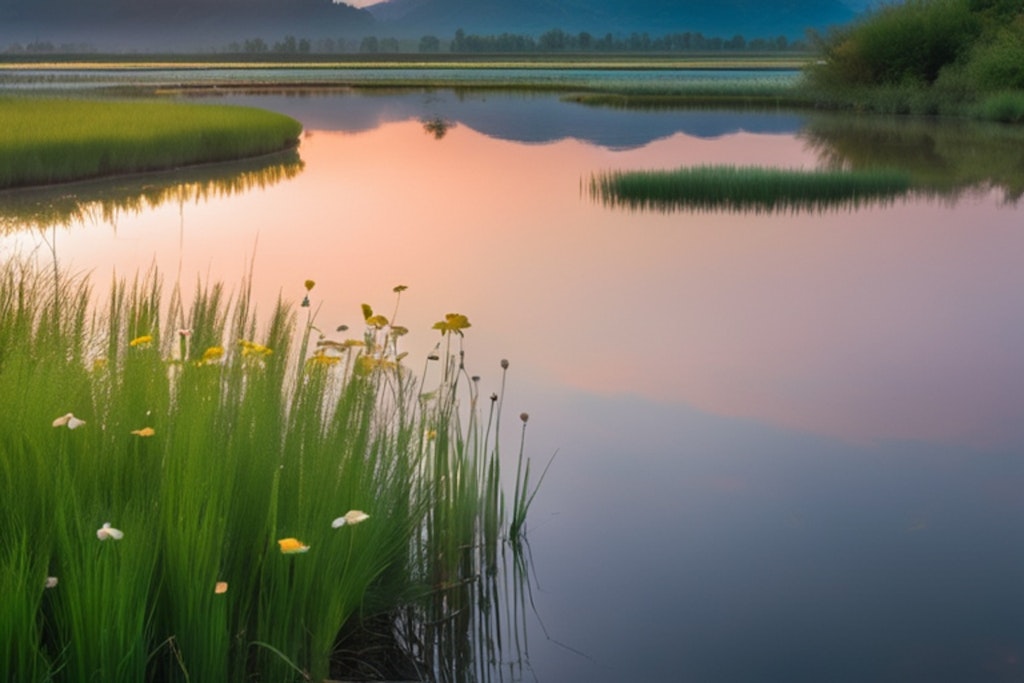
x=105 y=200
x=520 y=117
x=869 y=161
x=789 y=444
x=944 y=158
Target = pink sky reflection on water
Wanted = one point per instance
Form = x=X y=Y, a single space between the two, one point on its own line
x=887 y=322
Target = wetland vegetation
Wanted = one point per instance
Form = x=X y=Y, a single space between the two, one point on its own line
x=195 y=494
x=734 y=188
x=52 y=140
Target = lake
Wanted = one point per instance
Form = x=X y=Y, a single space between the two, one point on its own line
x=790 y=445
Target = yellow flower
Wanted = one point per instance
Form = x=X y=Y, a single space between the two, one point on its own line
x=214 y=353
x=371 y=363
x=69 y=421
x=351 y=517
x=144 y=340
x=253 y=349
x=453 y=322
x=106 y=531
x=372 y=320
x=220 y=587
x=309 y=285
x=291 y=546
x=320 y=358
x=145 y=431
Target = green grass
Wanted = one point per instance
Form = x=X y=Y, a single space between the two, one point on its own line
x=210 y=436
x=746 y=188
x=53 y=140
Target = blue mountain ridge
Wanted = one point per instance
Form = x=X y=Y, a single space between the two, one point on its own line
x=152 y=24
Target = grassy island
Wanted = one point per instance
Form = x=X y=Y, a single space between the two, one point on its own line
x=50 y=140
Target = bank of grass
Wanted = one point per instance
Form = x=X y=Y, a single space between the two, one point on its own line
x=235 y=460
x=54 y=140
x=747 y=188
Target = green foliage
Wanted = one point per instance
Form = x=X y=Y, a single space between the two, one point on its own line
x=211 y=444
x=997 y=63
x=924 y=57
x=47 y=140
x=1004 y=107
x=900 y=44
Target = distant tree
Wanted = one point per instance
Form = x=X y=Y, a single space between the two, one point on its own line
x=326 y=46
x=388 y=45
x=39 y=46
x=459 y=42
x=737 y=42
x=430 y=44
x=585 y=41
x=255 y=45
x=305 y=47
x=639 y=42
x=369 y=45
x=288 y=46
x=554 y=40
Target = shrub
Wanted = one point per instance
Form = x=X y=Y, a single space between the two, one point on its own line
x=998 y=63
x=1004 y=107
x=908 y=43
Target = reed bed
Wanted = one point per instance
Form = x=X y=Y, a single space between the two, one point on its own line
x=53 y=140
x=732 y=188
x=193 y=494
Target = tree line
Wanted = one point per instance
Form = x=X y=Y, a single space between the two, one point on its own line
x=552 y=41
x=557 y=40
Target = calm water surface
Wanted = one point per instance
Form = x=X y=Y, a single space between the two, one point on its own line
x=789 y=445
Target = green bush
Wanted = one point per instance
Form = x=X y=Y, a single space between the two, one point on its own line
x=1005 y=107
x=900 y=44
x=999 y=63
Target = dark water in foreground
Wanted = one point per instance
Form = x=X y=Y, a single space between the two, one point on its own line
x=790 y=447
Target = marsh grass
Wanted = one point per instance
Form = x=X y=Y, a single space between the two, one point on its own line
x=209 y=437
x=747 y=188
x=54 y=140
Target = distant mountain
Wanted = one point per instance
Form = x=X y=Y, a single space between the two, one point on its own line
x=725 y=18
x=153 y=25
x=148 y=25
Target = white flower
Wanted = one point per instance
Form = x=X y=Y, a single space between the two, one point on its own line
x=351 y=517
x=106 y=531
x=69 y=421
x=51 y=582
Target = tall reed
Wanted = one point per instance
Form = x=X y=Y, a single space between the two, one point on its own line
x=196 y=494
x=747 y=188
